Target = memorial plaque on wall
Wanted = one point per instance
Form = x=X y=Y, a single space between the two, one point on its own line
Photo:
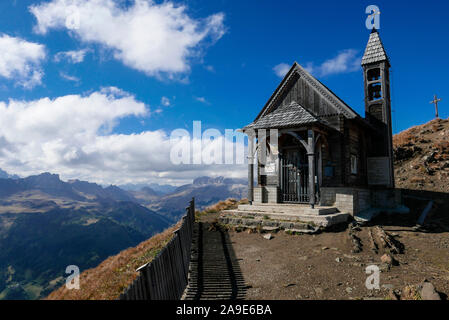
x=270 y=167
x=378 y=171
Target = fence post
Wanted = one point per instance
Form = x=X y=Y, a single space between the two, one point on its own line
x=162 y=277
x=192 y=206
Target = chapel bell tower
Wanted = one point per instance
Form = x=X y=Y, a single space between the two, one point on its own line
x=376 y=66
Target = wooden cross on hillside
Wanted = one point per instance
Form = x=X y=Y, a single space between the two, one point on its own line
x=435 y=101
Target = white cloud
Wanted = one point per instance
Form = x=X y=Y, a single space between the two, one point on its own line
x=281 y=69
x=210 y=68
x=69 y=77
x=74 y=136
x=309 y=67
x=202 y=100
x=150 y=37
x=73 y=56
x=21 y=60
x=165 y=101
x=346 y=61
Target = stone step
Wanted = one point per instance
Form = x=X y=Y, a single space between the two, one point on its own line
x=270 y=229
x=287 y=216
x=257 y=219
x=263 y=215
x=286 y=209
x=264 y=224
x=306 y=231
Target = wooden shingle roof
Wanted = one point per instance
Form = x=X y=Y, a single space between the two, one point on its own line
x=285 y=116
x=290 y=114
x=375 y=51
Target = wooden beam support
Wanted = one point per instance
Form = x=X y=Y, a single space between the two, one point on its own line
x=250 y=168
x=299 y=138
x=311 y=156
x=318 y=136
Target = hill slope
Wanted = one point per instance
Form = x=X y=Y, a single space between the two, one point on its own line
x=422 y=157
x=108 y=280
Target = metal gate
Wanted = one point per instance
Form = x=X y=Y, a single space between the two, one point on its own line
x=294 y=176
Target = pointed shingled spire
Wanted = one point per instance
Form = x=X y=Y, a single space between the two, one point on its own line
x=374 y=51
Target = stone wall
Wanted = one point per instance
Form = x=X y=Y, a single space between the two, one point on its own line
x=266 y=194
x=356 y=200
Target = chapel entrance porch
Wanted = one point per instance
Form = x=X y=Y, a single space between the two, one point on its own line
x=294 y=174
x=292 y=168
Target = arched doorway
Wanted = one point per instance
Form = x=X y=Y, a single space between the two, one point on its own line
x=294 y=171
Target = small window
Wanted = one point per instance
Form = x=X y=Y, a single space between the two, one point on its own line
x=353 y=164
x=328 y=171
x=373 y=74
x=375 y=91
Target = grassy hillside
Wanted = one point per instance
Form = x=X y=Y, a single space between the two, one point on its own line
x=422 y=157
x=113 y=275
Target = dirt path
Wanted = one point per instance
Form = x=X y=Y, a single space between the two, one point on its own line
x=323 y=266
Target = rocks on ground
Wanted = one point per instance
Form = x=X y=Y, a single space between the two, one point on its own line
x=268 y=236
x=389 y=259
x=427 y=291
x=424 y=291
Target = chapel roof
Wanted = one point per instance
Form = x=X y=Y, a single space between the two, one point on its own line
x=375 y=51
x=288 y=115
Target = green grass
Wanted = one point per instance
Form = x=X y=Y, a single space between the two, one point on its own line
x=33 y=290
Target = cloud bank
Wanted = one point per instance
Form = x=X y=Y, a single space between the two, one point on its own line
x=344 y=62
x=74 y=136
x=21 y=60
x=153 y=38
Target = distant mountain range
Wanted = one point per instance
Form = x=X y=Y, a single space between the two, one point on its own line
x=47 y=224
x=160 y=189
x=5 y=175
x=206 y=191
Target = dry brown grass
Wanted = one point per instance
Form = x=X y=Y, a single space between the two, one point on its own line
x=413 y=134
x=227 y=204
x=442 y=146
x=417 y=180
x=109 y=279
x=222 y=205
x=404 y=138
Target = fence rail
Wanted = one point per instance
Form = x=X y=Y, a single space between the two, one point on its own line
x=166 y=276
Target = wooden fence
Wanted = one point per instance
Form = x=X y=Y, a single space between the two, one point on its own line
x=165 y=277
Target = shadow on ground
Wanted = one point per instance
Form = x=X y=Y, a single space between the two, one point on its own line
x=214 y=269
x=436 y=221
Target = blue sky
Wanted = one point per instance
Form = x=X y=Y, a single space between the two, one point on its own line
x=220 y=69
